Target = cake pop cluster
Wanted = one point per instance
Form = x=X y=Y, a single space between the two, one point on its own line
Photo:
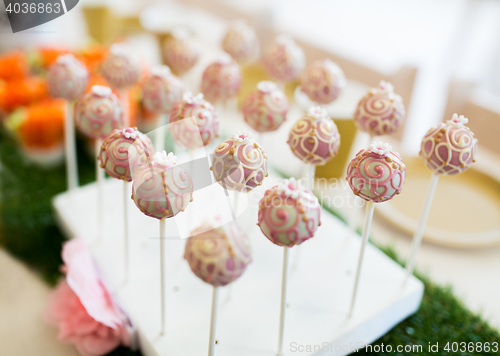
x=67 y=77
x=239 y=163
x=289 y=214
x=218 y=255
x=98 y=112
x=449 y=148
x=377 y=173
x=162 y=188
x=265 y=108
x=381 y=111
x=314 y=138
x=124 y=151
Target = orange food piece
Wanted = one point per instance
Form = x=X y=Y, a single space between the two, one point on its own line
x=22 y=92
x=92 y=57
x=49 y=55
x=44 y=124
x=13 y=65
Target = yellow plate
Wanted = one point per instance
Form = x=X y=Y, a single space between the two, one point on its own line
x=465 y=211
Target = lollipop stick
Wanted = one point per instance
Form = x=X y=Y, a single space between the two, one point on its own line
x=124 y=98
x=236 y=200
x=311 y=170
x=126 y=227
x=284 y=284
x=100 y=188
x=366 y=232
x=419 y=233
x=213 y=322
x=160 y=133
x=70 y=147
x=162 y=273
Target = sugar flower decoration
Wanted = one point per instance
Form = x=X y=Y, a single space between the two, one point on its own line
x=191 y=99
x=165 y=159
x=317 y=113
x=121 y=49
x=457 y=121
x=266 y=86
x=161 y=71
x=243 y=137
x=380 y=148
x=128 y=134
x=82 y=307
x=101 y=90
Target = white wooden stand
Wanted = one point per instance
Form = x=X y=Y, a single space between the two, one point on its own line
x=318 y=297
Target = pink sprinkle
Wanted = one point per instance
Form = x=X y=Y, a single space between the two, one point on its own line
x=242 y=137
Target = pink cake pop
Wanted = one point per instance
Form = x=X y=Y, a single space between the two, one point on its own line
x=289 y=214
x=239 y=163
x=322 y=81
x=67 y=78
x=120 y=68
x=376 y=174
x=162 y=188
x=98 y=112
x=315 y=138
x=284 y=60
x=205 y=122
x=381 y=111
x=181 y=52
x=240 y=42
x=449 y=147
x=221 y=80
x=218 y=256
x=265 y=108
x=124 y=152
x=161 y=90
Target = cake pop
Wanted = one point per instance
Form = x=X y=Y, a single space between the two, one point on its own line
x=199 y=121
x=161 y=90
x=289 y=214
x=120 y=68
x=240 y=42
x=265 y=108
x=449 y=147
x=322 y=81
x=376 y=174
x=221 y=80
x=98 y=112
x=67 y=78
x=239 y=163
x=314 y=138
x=162 y=188
x=181 y=52
x=380 y=112
x=284 y=60
x=218 y=255
x=124 y=152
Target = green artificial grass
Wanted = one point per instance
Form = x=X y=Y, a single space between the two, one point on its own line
x=29 y=232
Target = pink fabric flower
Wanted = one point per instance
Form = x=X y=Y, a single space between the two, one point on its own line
x=82 y=307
